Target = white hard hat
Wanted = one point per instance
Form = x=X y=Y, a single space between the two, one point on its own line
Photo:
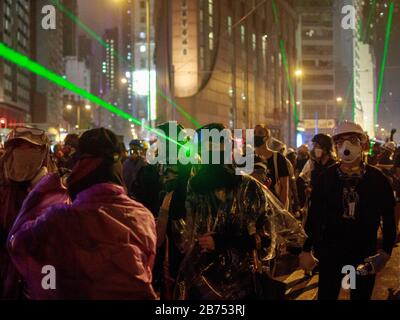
x=349 y=127
x=390 y=146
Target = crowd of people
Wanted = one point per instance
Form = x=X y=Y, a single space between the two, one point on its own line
x=114 y=226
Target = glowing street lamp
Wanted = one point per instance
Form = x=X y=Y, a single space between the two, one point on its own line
x=88 y=107
x=298 y=73
x=339 y=99
x=69 y=107
x=124 y=81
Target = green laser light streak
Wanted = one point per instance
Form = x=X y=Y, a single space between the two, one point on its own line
x=384 y=58
x=24 y=62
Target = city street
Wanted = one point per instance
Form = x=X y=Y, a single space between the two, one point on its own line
x=300 y=287
x=174 y=150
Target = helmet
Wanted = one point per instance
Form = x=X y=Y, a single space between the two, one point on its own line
x=136 y=143
x=349 y=127
x=390 y=146
x=324 y=140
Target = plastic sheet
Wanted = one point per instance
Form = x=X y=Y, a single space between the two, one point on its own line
x=250 y=209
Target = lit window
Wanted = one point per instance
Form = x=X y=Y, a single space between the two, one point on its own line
x=254 y=38
x=142 y=48
x=210 y=7
x=142 y=35
x=230 y=25
x=211 y=40
x=242 y=33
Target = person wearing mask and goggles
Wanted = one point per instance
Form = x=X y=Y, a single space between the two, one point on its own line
x=25 y=162
x=348 y=203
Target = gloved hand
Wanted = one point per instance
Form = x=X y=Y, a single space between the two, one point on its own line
x=307 y=261
x=378 y=261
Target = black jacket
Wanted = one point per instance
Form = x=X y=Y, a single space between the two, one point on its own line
x=331 y=231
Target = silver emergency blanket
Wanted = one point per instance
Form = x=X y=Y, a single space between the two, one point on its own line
x=248 y=210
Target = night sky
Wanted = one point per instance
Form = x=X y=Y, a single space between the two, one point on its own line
x=99 y=14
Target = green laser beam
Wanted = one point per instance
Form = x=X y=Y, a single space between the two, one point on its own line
x=180 y=109
x=291 y=92
x=116 y=54
x=286 y=64
x=84 y=27
x=384 y=59
x=34 y=67
x=372 y=9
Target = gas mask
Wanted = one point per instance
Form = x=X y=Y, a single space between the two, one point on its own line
x=349 y=152
x=24 y=165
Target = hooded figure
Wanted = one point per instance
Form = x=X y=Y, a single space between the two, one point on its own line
x=229 y=218
x=102 y=246
x=25 y=161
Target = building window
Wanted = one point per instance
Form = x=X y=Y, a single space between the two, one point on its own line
x=254 y=41
x=229 y=25
x=211 y=40
x=243 y=34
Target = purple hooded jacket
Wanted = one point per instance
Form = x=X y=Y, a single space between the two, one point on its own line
x=102 y=246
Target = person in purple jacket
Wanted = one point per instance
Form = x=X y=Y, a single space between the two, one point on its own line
x=102 y=246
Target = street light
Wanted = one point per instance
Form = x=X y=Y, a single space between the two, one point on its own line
x=298 y=73
x=339 y=99
x=69 y=107
x=124 y=81
x=88 y=107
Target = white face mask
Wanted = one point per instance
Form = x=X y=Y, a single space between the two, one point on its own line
x=349 y=152
x=318 y=152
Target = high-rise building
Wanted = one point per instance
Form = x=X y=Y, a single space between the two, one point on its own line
x=110 y=64
x=227 y=61
x=375 y=19
x=110 y=79
x=47 y=49
x=319 y=109
x=15 y=83
x=139 y=90
x=355 y=69
x=76 y=109
x=70 y=36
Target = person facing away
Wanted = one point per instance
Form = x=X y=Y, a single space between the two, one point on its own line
x=276 y=164
x=26 y=160
x=101 y=246
x=348 y=203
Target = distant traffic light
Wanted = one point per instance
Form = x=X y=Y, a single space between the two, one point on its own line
x=3 y=123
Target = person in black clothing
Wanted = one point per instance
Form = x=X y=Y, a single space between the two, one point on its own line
x=347 y=205
x=161 y=187
x=276 y=164
x=232 y=220
x=322 y=157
